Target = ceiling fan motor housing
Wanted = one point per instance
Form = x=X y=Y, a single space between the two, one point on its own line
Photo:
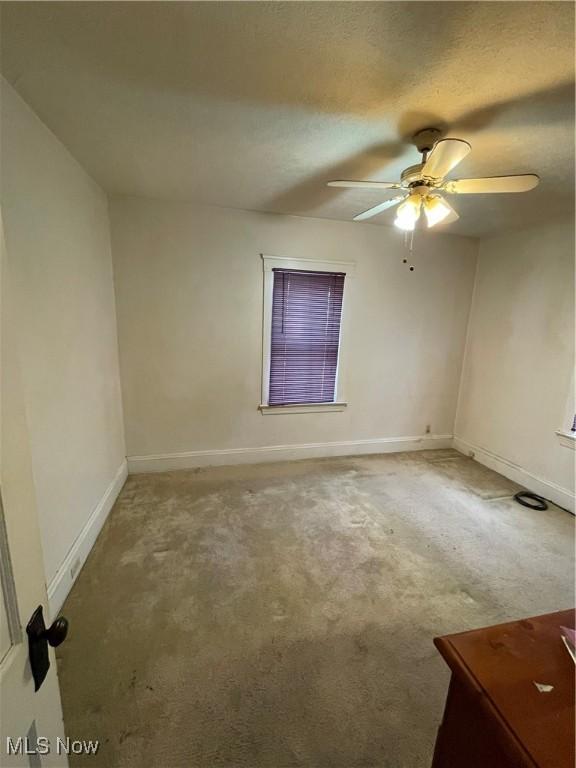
x=412 y=175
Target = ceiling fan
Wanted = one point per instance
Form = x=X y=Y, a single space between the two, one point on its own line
x=423 y=184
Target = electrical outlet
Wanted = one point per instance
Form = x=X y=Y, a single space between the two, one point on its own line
x=428 y=429
x=471 y=454
x=75 y=567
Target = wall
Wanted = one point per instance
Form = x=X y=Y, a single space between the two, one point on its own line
x=57 y=238
x=189 y=301
x=519 y=364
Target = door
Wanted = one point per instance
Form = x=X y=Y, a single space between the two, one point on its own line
x=23 y=712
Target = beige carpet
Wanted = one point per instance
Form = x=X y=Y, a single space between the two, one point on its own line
x=282 y=615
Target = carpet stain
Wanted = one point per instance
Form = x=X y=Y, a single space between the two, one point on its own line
x=282 y=615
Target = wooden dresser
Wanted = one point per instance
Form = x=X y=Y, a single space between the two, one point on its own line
x=495 y=716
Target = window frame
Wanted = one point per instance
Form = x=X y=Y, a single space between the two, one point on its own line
x=565 y=434
x=269 y=263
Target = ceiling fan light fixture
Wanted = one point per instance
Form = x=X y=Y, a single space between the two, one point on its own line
x=435 y=210
x=408 y=213
x=407 y=226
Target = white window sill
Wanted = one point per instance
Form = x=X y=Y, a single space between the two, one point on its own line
x=567 y=439
x=268 y=410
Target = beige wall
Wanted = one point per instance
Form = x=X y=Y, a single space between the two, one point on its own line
x=519 y=364
x=189 y=302
x=57 y=238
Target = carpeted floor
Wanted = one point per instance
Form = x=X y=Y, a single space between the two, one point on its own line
x=282 y=615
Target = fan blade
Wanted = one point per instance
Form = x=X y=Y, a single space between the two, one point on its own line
x=492 y=184
x=379 y=208
x=445 y=155
x=365 y=184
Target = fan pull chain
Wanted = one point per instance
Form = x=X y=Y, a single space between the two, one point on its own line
x=409 y=244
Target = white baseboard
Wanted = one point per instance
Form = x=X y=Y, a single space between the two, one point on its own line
x=228 y=456
x=62 y=582
x=549 y=490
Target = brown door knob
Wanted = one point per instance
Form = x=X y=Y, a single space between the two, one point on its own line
x=57 y=631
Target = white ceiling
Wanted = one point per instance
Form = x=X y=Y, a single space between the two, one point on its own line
x=256 y=105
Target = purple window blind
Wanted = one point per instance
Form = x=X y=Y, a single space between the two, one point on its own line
x=306 y=312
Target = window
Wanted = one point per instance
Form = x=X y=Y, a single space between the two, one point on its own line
x=306 y=311
x=303 y=303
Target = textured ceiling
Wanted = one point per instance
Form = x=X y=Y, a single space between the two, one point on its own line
x=257 y=105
